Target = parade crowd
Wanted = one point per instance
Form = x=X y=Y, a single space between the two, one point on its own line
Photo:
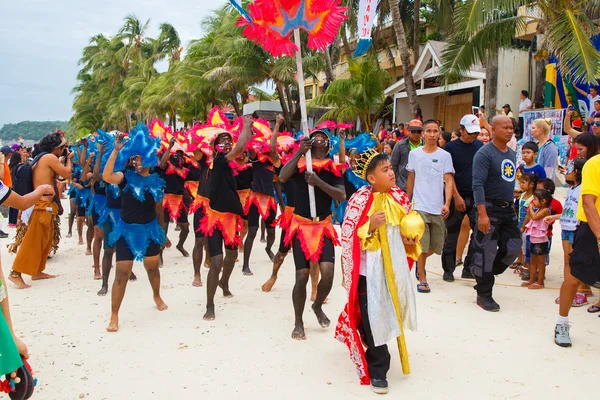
x=401 y=196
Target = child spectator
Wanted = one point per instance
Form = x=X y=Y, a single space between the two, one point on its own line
x=568 y=224
x=537 y=230
x=529 y=152
x=528 y=183
x=555 y=207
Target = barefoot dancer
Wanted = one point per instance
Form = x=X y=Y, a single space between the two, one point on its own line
x=198 y=184
x=381 y=298
x=313 y=240
x=37 y=241
x=139 y=235
x=222 y=222
x=11 y=347
x=99 y=212
x=174 y=174
x=243 y=184
x=261 y=203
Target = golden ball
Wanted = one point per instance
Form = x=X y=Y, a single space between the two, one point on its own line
x=412 y=225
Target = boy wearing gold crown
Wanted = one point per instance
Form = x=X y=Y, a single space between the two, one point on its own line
x=378 y=227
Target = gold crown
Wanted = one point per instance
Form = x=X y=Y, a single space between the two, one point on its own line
x=362 y=162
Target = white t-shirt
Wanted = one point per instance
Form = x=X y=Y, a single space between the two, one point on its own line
x=524 y=104
x=4 y=192
x=568 y=218
x=592 y=100
x=429 y=169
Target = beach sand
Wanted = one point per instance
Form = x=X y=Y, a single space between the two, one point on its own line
x=459 y=351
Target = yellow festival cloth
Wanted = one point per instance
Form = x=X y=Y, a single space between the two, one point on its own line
x=378 y=240
x=36 y=245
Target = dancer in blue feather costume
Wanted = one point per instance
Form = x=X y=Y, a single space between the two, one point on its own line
x=139 y=234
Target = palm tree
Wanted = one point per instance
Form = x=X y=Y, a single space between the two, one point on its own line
x=360 y=96
x=409 y=82
x=481 y=27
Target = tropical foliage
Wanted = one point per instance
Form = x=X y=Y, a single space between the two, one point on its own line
x=361 y=96
x=31 y=130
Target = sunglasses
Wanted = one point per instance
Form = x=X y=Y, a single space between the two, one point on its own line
x=597 y=123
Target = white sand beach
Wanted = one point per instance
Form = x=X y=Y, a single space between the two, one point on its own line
x=459 y=351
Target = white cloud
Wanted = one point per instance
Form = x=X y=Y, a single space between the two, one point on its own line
x=41 y=42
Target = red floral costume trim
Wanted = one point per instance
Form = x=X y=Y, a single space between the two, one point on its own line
x=174 y=204
x=326 y=164
x=265 y=204
x=244 y=195
x=198 y=203
x=182 y=172
x=229 y=224
x=312 y=235
x=284 y=219
x=192 y=187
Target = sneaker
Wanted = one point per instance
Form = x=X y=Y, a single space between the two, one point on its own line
x=466 y=274
x=12 y=225
x=488 y=303
x=3 y=235
x=448 y=276
x=561 y=335
x=580 y=300
x=379 y=386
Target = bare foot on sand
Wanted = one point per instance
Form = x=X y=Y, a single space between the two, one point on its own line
x=160 y=304
x=113 y=325
x=321 y=317
x=69 y=235
x=197 y=281
x=298 y=332
x=42 y=275
x=88 y=252
x=207 y=264
x=97 y=274
x=268 y=285
x=80 y=242
x=246 y=270
x=210 y=313
x=18 y=281
x=182 y=251
x=103 y=291
x=226 y=292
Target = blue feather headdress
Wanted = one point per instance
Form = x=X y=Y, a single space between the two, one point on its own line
x=360 y=143
x=106 y=140
x=139 y=143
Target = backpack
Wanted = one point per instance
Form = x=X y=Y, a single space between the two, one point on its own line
x=23 y=184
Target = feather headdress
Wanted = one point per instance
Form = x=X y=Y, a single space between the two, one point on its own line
x=140 y=143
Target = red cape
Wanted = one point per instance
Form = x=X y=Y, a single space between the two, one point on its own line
x=347 y=327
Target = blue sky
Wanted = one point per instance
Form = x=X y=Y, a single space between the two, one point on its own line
x=41 y=42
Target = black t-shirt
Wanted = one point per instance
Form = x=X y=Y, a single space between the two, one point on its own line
x=132 y=210
x=350 y=189
x=288 y=189
x=322 y=199
x=204 y=186
x=223 y=195
x=243 y=180
x=262 y=177
x=111 y=200
x=193 y=173
x=173 y=183
x=462 y=158
x=99 y=189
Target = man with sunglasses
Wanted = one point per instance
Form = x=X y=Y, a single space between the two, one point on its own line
x=400 y=153
x=462 y=152
x=596 y=125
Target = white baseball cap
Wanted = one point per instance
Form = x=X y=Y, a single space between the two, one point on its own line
x=471 y=123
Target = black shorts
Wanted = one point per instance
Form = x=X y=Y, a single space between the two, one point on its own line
x=198 y=215
x=254 y=217
x=72 y=195
x=539 y=249
x=215 y=243
x=283 y=249
x=327 y=254
x=182 y=219
x=106 y=230
x=95 y=218
x=124 y=254
x=80 y=211
x=584 y=259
